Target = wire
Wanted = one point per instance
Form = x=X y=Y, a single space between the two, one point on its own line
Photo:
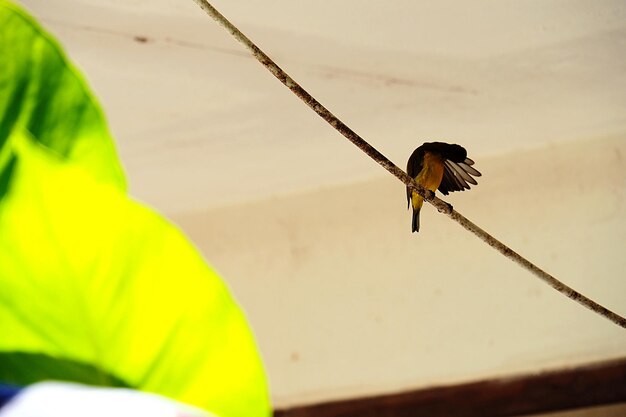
x=428 y=195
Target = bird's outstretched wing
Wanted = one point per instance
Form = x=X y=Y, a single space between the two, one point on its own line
x=457 y=175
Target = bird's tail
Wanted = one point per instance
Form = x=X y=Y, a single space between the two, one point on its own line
x=416 y=219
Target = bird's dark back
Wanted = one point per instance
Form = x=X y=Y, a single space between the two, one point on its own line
x=453 y=152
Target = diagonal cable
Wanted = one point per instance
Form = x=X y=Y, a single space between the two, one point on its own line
x=429 y=196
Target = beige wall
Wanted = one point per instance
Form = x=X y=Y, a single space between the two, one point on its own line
x=345 y=301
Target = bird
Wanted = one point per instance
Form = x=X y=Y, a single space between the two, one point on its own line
x=438 y=165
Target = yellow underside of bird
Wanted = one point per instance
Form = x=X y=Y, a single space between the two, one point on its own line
x=429 y=177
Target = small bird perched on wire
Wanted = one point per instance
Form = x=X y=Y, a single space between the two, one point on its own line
x=438 y=165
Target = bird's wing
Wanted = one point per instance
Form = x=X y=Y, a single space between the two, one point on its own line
x=413 y=168
x=457 y=175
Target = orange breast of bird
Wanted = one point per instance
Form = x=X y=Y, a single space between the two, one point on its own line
x=429 y=177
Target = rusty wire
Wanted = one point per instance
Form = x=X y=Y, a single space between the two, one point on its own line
x=429 y=196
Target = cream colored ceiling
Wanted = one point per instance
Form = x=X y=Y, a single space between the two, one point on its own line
x=201 y=124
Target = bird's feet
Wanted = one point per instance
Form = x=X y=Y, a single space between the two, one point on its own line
x=447 y=208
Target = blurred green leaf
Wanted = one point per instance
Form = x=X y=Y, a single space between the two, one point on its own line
x=41 y=92
x=94 y=287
